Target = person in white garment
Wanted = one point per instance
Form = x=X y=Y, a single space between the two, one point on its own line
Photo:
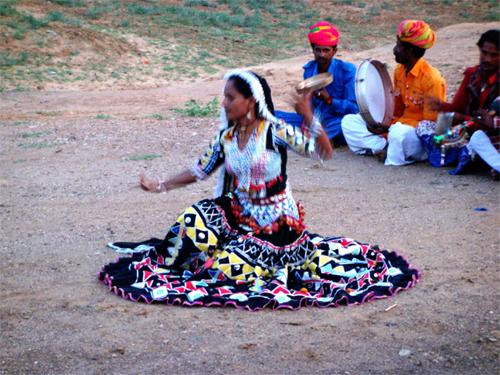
x=415 y=80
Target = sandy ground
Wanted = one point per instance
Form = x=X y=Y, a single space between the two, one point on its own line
x=68 y=186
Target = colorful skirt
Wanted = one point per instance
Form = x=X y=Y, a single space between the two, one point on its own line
x=208 y=260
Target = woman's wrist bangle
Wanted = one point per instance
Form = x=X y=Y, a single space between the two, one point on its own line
x=160 y=186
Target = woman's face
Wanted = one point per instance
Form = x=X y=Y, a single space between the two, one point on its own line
x=235 y=104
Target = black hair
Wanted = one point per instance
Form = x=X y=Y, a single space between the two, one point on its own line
x=243 y=88
x=490 y=36
x=417 y=52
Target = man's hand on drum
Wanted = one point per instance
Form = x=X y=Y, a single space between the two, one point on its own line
x=323 y=95
x=484 y=118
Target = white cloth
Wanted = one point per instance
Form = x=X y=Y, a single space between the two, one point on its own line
x=404 y=147
x=357 y=136
x=480 y=144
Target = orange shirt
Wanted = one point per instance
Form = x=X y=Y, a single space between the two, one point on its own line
x=412 y=90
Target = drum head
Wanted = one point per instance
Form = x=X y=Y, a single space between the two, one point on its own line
x=315 y=82
x=374 y=92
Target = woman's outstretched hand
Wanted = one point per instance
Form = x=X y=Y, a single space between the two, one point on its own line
x=148 y=184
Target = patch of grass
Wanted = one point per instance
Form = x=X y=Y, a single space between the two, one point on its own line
x=124 y=23
x=33 y=22
x=387 y=6
x=156 y=116
x=142 y=157
x=465 y=15
x=140 y=9
x=19 y=161
x=96 y=12
x=102 y=116
x=194 y=109
x=55 y=16
x=37 y=145
x=32 y=134
x=6 y=59
x=19 y=123
x=6 y=9
x=47 y=113
x=198 y=3
x=492 y=16
x=374 y=11
x=70 y=3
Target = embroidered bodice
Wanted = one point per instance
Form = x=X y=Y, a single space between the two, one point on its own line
x=259 y=169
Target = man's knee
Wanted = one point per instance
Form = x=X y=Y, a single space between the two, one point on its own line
x=477 y=136
x=397 y=134
x=348 y=122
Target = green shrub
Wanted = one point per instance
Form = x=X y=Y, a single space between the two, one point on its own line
x=142 y=157
x=96 y=12
x=33 y=22
x=6 y=59
x=7 y=9
x=197 y=3
x=70 y=3
x=194 y=109
x=55 y=16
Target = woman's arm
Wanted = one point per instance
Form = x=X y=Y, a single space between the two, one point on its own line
x=156 y=186
x=303 y=107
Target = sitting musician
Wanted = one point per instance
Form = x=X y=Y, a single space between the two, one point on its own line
x=414 y=80
x=475 y=106
x=333 y=102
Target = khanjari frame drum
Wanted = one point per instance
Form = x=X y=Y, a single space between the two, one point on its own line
x=374 y=92
x=314 y=83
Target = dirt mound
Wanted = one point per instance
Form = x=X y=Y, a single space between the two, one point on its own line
x=454 y=50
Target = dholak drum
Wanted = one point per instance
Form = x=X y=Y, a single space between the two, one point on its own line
x=374 y=92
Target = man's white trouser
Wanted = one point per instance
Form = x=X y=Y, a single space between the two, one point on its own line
x=404 y=147
x=480 y=144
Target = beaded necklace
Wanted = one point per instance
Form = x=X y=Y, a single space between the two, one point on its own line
x=243 y=161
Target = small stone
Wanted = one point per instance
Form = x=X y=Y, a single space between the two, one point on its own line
x=404 y=352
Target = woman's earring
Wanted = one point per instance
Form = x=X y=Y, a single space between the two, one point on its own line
x=249 y=116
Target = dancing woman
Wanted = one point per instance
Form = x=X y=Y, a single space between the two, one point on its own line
x=249 y=247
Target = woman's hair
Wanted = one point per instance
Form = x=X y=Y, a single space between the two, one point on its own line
x=490 y=36
x=244 y=89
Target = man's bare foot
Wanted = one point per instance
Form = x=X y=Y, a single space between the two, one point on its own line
x=381 y=155
x=494 y=175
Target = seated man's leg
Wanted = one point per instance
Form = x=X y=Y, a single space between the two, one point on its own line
x=357 y=136
x=480 y=144
x=404 y=146
x=333 y=129
x=291 y=118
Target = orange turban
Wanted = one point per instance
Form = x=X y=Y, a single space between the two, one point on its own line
x=417 y=33
x=323 y=34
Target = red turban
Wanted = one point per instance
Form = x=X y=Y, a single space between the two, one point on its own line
x=323 y=34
